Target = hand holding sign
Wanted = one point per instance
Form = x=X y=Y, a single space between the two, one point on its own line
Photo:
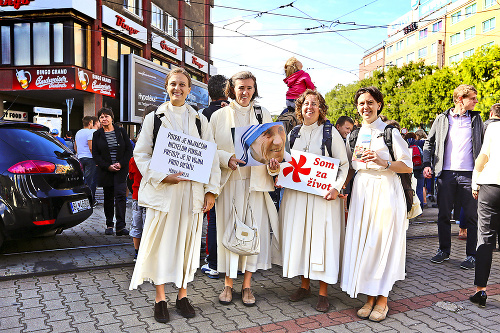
x=310 y=173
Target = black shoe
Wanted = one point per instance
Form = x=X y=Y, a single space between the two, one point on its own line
x=440 y=257
x=468 y=263
x=108 y=231
x=161 y=312
x=479 y=298
x=185 y=308
x=123 y=232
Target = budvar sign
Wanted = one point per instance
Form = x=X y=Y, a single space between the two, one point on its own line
x=196 y=62
x=121 y=23
x=14 y=3
x=161 y=44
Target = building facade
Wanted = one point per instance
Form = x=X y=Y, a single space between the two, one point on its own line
x=440 y=32
x=53 y=51
x=372 y=60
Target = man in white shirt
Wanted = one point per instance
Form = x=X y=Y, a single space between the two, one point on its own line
x=83 y=148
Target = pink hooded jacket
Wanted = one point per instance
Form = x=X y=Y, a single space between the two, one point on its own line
x=297 y=83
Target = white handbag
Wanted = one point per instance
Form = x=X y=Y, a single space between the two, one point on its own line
x=240 y=238
x=415 y=210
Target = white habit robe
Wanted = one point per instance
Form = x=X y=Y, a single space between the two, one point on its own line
x=171 y=239
x=375 y=242
x=312 y=227
x=248 y=188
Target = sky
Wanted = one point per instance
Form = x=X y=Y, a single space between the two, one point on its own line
x=330 y=55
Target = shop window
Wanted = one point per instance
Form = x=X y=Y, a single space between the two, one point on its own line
x=189 y=36
x=80 y=47
x=111 y=50
x=22 y=44
x=41 y=38
x=58 y=42
x=133 y=6
x=6 y=45
x=489 y=24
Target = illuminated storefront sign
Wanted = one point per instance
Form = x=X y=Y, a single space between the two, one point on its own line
x=123 y=24
x=166 y=47
x=196 y=62
x=87 y=7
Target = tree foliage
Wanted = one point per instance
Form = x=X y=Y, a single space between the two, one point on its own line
x=415 y=93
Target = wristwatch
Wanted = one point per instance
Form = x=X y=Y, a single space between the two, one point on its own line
x=388 y=164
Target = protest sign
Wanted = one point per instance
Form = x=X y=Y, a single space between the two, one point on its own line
x=177 y=152
x=309 y=173
x=257 y=144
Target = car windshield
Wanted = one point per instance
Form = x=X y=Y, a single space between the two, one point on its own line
x=31 y=142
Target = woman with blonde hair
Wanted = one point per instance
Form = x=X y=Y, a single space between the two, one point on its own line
x=313 y=226
x=245 y=188
x=297 y=81
x=171 y=239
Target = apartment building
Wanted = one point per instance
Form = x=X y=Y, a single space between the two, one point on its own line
x=372 y=60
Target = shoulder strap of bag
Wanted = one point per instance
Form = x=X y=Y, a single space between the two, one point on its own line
x=258 y=113
x=294 y=134
x=353 y=137
x=327 y=138
x=388 y=140
x=157 y=124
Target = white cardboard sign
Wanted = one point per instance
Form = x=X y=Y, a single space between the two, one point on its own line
x=177 y=152
x=309 y=173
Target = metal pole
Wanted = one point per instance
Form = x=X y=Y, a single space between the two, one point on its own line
x=69 y=104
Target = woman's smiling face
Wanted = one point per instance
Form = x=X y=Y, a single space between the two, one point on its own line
x=368 y=108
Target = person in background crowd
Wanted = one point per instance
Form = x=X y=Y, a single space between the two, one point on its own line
x=486 y=188
x=138 y=212
x=297 y=81
x=83 y=148
x=411 y=138
x=453 y=144
x=97 y=123
x=111 y=150
x=70 y=142
x=313 y=226
x=394 y=123
x=243 y=187
x=494 y=115
x=428 y=182
x=171 y=239
x=55 y=135
x=216 y=86
x=375 y=241
x=344 y=125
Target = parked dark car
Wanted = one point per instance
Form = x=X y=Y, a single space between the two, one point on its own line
x=41 y=183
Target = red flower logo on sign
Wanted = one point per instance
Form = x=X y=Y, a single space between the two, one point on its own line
x=297 y=169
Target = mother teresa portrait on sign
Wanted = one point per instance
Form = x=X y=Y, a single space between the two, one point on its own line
x=258 y=144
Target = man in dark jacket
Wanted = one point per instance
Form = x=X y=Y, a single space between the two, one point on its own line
x=453 y=144
x=216 y=86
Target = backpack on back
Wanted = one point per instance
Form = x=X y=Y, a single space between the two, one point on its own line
x=327 y=137
x=289 y=119
x=404 y=177
x=416 y=156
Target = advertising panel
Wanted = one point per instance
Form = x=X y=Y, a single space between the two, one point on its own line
x=94 y=83
x=87 y=7
x=196 y=62
x=143 y=83
x=15 y=115
x=161 y=44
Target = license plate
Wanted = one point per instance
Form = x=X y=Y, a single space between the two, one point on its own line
x=79 y=206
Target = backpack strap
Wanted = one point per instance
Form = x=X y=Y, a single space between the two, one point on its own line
x=294 y=134
x=388 y=140
x=258 y=113
x=198 y=125
x=353 y=137
x=156 y=127
x=327 y=138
